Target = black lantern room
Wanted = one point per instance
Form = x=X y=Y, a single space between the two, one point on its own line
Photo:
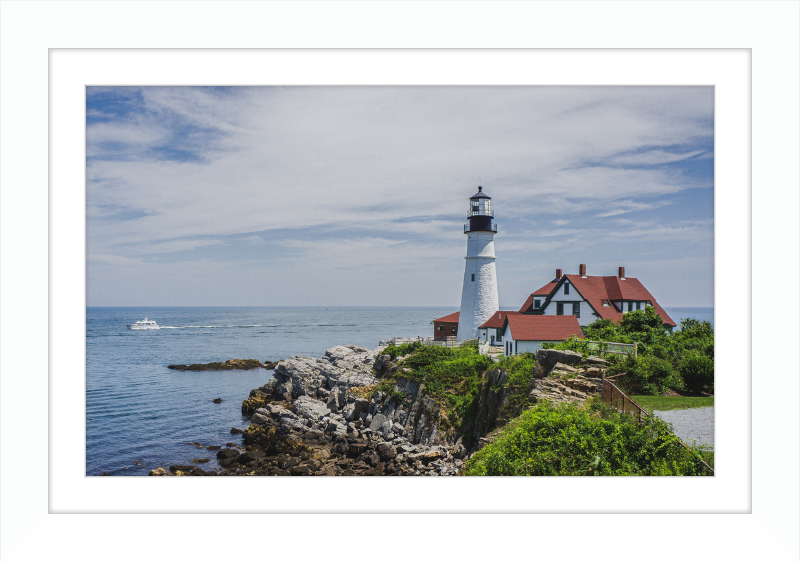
x=480 y=213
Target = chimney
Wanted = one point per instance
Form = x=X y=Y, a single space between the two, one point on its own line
x=621 y=272
x=558 y=274
x=582 y=270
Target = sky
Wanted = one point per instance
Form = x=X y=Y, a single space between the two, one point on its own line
x=357 y=196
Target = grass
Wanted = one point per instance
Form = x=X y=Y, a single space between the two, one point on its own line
x=651 y=403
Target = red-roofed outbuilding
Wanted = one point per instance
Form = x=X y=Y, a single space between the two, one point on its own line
x=527 y=332
x=446 y=326
x=492 y=329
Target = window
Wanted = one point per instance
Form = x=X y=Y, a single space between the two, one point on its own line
x=473 y=277
x=576 y=309
x=605 y=303
x=560 y=308
x=637 y=305
x=537 y=303
x=630 y=306
x=454 y=329
x=566 y=288
x=499 y=334
x=441 y=328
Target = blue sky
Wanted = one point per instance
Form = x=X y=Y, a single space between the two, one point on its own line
x=357 y=195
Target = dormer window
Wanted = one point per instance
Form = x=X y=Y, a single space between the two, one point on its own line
x=537 y=303
x=606 y=303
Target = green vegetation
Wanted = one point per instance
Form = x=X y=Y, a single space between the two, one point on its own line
x=520 y=371
x=651 y=403
x=452 y=377
x=566 y=440
x=665 y=358
x=697 y=372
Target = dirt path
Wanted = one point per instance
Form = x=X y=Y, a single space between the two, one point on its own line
x=692 y=423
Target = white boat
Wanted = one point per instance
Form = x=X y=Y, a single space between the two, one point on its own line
x=144 y=325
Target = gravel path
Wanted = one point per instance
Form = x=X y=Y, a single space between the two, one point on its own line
x=692 y=423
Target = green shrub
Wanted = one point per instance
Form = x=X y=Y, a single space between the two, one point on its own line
x=401 y=350
x=698 y=373
x=565 y=440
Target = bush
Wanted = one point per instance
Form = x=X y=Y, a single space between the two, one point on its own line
x=698 y=373
x=565 y=440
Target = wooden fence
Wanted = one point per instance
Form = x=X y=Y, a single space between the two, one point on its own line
x=612 y=347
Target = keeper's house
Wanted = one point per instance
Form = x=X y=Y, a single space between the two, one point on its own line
x=589 y=298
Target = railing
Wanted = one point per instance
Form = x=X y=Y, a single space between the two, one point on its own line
x=450 y=341
x=612 y=347
x=617 y=399
x=492 y=228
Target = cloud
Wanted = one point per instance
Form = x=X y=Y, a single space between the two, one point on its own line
x=171 y=170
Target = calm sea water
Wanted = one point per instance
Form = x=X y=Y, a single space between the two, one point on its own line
x=141 y=415
x=141 y=412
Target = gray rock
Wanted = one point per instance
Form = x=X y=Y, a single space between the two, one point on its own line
x=350 y=413
x=386 y=429
x=377 y=422
x=397 y=428
x=336 y=399
x=310 y=408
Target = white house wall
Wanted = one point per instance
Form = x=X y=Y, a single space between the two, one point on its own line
x=587 y=314
x=521 y=346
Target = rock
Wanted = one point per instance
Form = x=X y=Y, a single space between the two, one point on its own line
x=594 y=372
x=236 y=431
x=160 y=471
x=547 y=358
x=249 y=456
x=356 y=450
x=290 y=462
x=217 y=400
x=228 y=365
x=386 y=451
x=431 y=456
x=595 y=361
x=371 y=458
x=180 y=469
x=336 y=399
x=213 y=447
x=227 y=457
x=200 y=461
x=386 y=429
x=398 y=429
x=269 y=365
x=377 y=422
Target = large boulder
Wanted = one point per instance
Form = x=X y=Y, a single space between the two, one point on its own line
x=546 y=359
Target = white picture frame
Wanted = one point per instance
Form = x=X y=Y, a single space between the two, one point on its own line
x=51 y=510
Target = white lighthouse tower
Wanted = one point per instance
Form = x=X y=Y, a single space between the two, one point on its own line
x=479 y=295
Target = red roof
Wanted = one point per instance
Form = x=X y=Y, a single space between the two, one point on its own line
x=449 y=318
x=497 y=319
x=543 y=292
x=599 y=289
x=536 y=327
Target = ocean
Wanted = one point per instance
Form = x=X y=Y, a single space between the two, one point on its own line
x=142 y=415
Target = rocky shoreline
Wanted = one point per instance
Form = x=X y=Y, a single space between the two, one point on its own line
x=325 y=417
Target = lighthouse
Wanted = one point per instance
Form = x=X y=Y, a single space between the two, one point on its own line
x=479 y=293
